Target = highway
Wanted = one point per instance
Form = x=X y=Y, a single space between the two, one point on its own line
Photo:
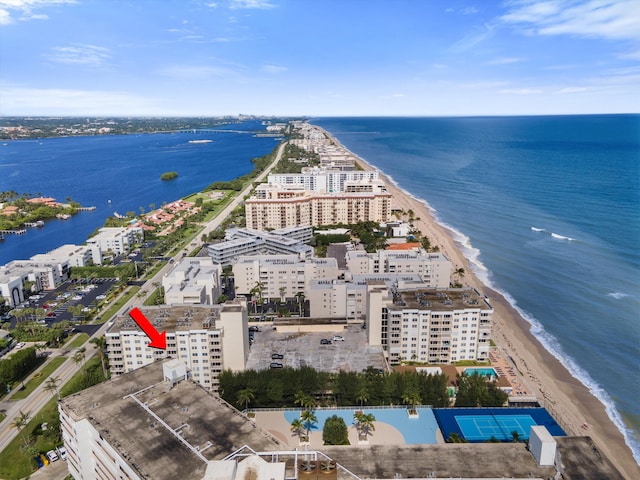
x=39 y=397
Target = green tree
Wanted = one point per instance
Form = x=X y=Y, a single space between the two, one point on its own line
x=335 y=431
x=79 y=356
x=245 y=397
x=309 y=420
x=51 y=386
x=412 y=398
x=297 y=427
x=364 y=424
x=20 y=422
x=101 y=345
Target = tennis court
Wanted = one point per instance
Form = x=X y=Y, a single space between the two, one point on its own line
x=481 y=427
x=485 y=424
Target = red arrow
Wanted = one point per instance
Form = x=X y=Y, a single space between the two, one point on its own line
x=158 y=340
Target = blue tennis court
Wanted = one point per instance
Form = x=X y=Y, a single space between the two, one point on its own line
x=485 y=424
x=481 y=427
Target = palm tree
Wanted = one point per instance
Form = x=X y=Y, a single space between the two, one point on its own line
x=245 y=397
x=515 y=436
x=20 y=422
x=79 y=356
x=300 y=297
x=459 y=273
x=364 y=423
x=101 y=344
x=305 y=401
x=51 y=385
x=363 y=393
x=411 y=397
x=309 y=419
x=297 y=427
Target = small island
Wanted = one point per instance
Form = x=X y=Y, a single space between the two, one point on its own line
x=169 y=175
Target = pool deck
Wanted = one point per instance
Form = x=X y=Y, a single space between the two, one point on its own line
x=276 y=424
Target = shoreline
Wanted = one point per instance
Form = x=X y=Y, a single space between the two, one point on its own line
x=562 y=394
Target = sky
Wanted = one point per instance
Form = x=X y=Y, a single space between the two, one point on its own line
x=318 y=57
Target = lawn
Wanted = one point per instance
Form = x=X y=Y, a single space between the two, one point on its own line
x=38 y=378
x=77 y=341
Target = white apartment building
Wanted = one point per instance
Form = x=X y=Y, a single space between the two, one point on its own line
x=246 y=241
x=77 y=255
x=45 y=275
x=208 y=339
x=348 y=299
x=281 y=276
x=118 y=240
x=433 y=268
x=321 y=179
x=194 y=280
x=428 y=325
x=283 y=207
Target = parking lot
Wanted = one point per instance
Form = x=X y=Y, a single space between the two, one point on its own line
x=305 y=349
x=57 y=303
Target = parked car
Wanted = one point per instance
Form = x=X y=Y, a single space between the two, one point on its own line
x=338 y=338
x=275 y=365
x=254 y=328
x=52 y=456
x=277 y=356
x=62 y=451
x=325 y=341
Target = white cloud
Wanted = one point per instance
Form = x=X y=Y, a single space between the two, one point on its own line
x=251 y=4
x=474 y=38
x=54 y=101
x=633 y=55
x=195 y=71
x=522 y=91
x=566 y=90
x=90 y=55
x=273 y=69
x=469 y=11
x=612 y=19
x=12 y=10
x=504 y=60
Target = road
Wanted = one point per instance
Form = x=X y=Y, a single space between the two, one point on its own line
x=39 y=397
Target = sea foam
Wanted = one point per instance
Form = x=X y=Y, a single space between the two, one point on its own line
x=562 y=237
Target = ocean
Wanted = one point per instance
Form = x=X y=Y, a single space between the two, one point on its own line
x=118 y=173
x=547 y=209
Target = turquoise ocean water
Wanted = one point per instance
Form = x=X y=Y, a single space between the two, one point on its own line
x=547 y=209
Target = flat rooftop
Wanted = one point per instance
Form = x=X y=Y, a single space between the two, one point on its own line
x=152 y=448
x=173 y=318
x=446 y=300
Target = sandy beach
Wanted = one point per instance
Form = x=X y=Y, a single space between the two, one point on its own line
x=565 y=397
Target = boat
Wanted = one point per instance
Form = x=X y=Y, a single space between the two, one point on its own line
x=63 y=216
x=200 y=141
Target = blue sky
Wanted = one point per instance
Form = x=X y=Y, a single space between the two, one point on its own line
x=319 y=57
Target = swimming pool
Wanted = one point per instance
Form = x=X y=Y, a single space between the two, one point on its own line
x=419 y=430
x=483 y=371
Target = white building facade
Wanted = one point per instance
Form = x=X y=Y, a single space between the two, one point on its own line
x=207 y=339
x=430 y=326
x=281 y=276
x=433 y=268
